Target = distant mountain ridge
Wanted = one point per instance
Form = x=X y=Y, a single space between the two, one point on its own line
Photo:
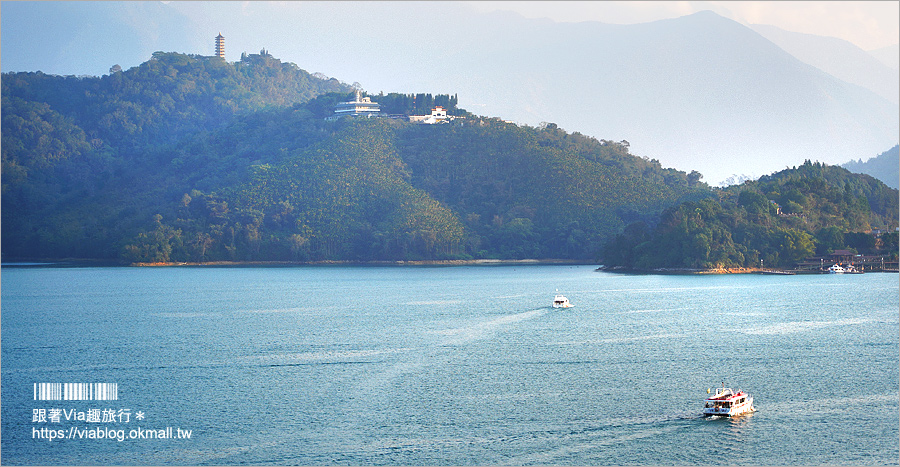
x=697 y=92
x=839 y=58
x=884 y=167
x=889 y=55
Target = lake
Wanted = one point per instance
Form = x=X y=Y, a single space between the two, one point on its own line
x=465 y=365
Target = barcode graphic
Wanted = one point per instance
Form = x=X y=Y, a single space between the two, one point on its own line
x=76 y=391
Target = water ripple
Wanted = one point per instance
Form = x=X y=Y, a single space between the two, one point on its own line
x=801 y=326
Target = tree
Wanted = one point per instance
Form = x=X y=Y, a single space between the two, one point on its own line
x=829 y=239
x=795 y=245
x=694 y=177
x=860 y=241
x=299 y=247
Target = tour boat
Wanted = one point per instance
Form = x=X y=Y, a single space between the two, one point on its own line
x=727 y=403
x=836 y=269
x=559 y=301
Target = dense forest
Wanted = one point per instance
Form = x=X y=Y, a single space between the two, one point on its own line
x=776 y=221
x=190 y=159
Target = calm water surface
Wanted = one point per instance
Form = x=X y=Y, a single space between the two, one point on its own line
x=452 y=366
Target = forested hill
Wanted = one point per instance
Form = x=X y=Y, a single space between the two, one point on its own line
x=776 y=221
x=162 y=100
x=189 y=158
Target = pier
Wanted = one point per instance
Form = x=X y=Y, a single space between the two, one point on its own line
x=861 y=263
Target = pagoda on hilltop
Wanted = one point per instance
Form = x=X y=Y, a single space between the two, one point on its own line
x=220 y=46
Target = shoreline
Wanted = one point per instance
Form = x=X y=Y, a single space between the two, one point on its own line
x=691 y=271
x=448 y=262
x=81 y=262
x=700 y=272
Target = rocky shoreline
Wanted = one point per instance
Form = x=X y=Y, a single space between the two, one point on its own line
x=690 y=271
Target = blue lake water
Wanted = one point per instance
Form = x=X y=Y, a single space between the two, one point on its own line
x=451 y=366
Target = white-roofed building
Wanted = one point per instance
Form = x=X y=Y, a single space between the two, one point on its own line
x=361 y=106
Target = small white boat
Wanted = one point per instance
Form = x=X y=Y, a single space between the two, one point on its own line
x=727 y=403
x=560 y=301
x=836 y=269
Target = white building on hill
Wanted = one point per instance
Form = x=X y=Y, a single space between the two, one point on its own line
x=438 y=115
x=361 y=106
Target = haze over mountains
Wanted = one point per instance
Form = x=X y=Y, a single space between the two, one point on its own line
x=838 y=58
x=889 y=55
x=700 y=92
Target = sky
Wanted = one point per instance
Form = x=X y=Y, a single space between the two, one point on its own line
x=869 y=25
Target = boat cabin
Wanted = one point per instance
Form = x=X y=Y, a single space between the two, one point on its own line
x=726 y=402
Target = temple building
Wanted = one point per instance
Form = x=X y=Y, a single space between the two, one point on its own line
x=220 y=46
x=361 y=106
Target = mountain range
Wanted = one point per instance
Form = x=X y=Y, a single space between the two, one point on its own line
x=838 y=58
x=700 y=92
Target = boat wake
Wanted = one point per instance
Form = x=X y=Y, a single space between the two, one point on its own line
x=596 y=439
x=656 y=310
x=434 y=302
x=457 y=336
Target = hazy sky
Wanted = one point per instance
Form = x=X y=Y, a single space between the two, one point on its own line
x=869 y=25
x=45 y=35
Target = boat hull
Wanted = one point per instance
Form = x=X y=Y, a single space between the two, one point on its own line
x=730 y=413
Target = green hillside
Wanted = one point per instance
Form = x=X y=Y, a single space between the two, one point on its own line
x=281 y=186
x=162 y=100
x=776 y=221
x=189 y=158
x=76 y=151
